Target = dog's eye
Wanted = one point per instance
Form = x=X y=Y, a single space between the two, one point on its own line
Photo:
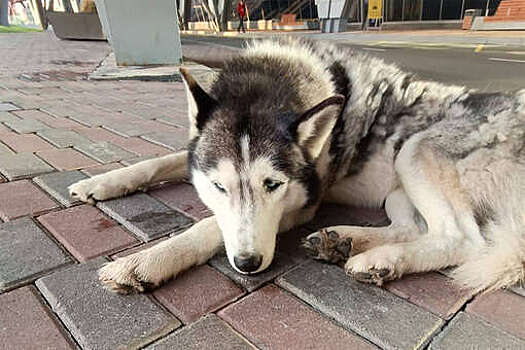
x=271 y=185
x=219 y=187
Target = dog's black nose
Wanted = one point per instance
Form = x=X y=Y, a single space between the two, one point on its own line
x=247 y=262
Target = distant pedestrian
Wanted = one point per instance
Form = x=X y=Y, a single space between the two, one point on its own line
x=364 y=24
x=241 y=11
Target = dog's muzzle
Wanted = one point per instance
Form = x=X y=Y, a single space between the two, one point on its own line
x=247 y=262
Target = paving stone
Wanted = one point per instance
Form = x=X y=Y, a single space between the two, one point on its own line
x=145 y=216
x=280 y=264
x=171 y=140
x=502 y=309
x=332 y=215
x=7 y=117
x=26 y=126
x=101 y=169
x=373 y=313
x=66 y=159
x=56 y=185
x=467 y=332
x=182 y=197
x=20 y=309
x=101 y=135
x=63 y=138
x=518 y=290
x=142 y=147
x=289 y=244
x=86 y=232
x=4 y=150
x=209 y=333
x=105 y=152
x=25 y=252
x=133 y=127
x=22 y=165
x=25 y=142
x=21 y=198
x=432 y=291
x=128 y=162
x=138 y=248
x=197 y=292
x=6 y=107
x=273 y=319
x=99 y=319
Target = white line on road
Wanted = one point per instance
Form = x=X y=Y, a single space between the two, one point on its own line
x=506 y=60
x=373 y=49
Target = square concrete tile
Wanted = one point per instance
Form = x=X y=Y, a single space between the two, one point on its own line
x=432 y=291
x=26 y=252
x=66 y=159
x=273 y=319
x=371 y=312
x=25 y=142
x=502 y=309
x=21 y=198
x=197 y=292
x=23 y=165
x=209 y=333
x=280 y=265
x=99 y=319
x=466 y=332
x=182 y=197
x=105 y=152
x=145 y=216
x=86 y=232
x=56 y=185
x=21 y=309
x=63 y=138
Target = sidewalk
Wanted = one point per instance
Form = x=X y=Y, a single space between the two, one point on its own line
x=56 y=128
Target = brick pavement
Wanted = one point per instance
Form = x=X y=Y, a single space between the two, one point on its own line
x=56 y=128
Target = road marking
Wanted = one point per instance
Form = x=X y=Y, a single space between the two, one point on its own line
x=506 y=60
x=478 y=48
x=373 y=49
x=515 y=52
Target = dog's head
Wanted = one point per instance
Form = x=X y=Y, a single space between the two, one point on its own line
x=251 y=163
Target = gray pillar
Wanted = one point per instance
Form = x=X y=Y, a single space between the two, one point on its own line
x=4 y=19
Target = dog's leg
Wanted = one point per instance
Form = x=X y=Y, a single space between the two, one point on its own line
x=432 y=184
x=327 y=245
x=148 y=268
x=116 y=183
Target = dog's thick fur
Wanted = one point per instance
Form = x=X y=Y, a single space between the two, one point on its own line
x=292 y=123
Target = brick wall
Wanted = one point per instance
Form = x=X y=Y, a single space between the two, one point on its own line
x=509 y=10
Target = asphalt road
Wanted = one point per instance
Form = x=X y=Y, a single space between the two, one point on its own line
x=492 y=68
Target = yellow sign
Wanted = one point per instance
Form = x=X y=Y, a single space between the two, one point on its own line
x=375 y=9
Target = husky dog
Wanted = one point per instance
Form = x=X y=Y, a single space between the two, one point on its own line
x=292 y=123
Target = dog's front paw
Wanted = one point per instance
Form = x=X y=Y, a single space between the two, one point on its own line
x=128 y=275
x=328 y=246
x=97 y=188
x=374 y=266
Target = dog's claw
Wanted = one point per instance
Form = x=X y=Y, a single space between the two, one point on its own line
x=328 y=246
x=374 y=276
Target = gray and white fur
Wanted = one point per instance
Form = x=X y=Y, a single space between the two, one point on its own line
x=291 y=123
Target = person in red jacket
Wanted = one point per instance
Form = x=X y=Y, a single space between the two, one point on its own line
x=241 y=11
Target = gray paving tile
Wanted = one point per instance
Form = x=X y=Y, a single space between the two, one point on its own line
x=26 y=126
x=99 y=319
x=518 y=290
x=22 y=165
x=169 y=140
x=25 y=252
x=56 y=185
x=6 y=107
x=145 y=216
x=132 y=128
x=373 y=313
x=5 y=150
x=105 y=152
x=63 y=138
x=209 y=333
x=8 y=117
x=332 y=215
x=131 y=161
x=281 y=263
x=466 y=331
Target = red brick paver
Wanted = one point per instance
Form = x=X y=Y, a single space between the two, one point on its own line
x=25 y=142
x=66 y=159
x=431 y=291
x=142 y=147
x=184 y=198
x=86 y=232
x=272 y=319
x=502 y=309
x=23 y=198
x=26 y=324
x=197 y=292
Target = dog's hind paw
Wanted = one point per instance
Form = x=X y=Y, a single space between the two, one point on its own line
x=123 y=276
x=328 y=246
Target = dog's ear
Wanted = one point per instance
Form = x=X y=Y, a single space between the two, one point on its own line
x=312 y=128
x=200 y=104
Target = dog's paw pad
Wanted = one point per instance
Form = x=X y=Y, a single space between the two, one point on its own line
x=328 y=246
x=373 y=276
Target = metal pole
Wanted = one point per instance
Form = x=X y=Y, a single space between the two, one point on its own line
x=403 y=11
x=4 y=13
x=440 y=9
x=462 y=9
x=487 y=9
x=421 y=12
